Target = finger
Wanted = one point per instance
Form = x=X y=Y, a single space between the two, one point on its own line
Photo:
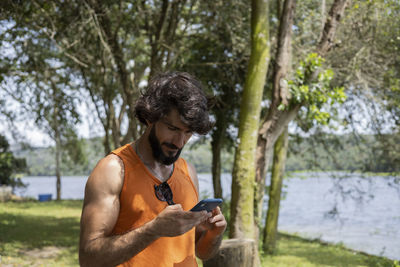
x=216 y=218
x=216 y=210
x=205 y=216
x=190 y=215
x=220 y=224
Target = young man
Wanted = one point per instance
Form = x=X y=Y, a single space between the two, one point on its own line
x=137 y=199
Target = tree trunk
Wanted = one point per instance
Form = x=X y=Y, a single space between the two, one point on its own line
x=58 y=172
x=280 y=95
x=323 y=10
x=57 y=136
x=331 y=24
x=278 y=170
x=106 y=143
x=115 y=126
x=157 y=39
x=242 y=204
x=216 y=145
x=234 y=253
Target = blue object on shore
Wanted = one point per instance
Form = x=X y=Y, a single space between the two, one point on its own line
x=45 y=197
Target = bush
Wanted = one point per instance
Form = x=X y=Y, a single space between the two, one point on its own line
x=9 y=165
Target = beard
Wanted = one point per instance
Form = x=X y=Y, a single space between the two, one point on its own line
x=157 y=151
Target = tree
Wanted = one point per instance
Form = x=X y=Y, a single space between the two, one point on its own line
x=367 y=62
x=9 y=165
x=242 y=216
x=302 y=90
x=112 y=48
x=44 y=87
x=278 y=170
x=281 y=68
x=219 y=58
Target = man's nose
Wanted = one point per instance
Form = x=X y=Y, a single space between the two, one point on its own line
x=179 y=140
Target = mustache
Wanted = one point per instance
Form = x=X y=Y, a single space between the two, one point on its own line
x=169 y=145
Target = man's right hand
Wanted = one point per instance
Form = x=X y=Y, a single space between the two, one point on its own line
x=174 y=221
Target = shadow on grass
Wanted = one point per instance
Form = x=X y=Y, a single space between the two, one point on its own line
x=32 y=231
x=320 y=253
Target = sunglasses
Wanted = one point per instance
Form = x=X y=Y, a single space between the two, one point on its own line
x=164 y=193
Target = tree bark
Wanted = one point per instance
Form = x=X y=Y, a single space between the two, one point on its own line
x=280 y=95
x=115 y=126
x=216 y=145
x=242 y=203
x=278 y=170
x=331 y=24
x=219 y=141
x=157 y=39
x=57 y=137
x=58 y=172
x=234 y=253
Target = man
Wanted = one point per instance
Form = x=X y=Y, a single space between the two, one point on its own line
x=137 y=199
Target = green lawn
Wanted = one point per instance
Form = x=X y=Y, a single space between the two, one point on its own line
x=39 y=233
x=47 y=234
x=295 y=251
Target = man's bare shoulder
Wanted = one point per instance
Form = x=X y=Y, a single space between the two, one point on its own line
x=108 y=175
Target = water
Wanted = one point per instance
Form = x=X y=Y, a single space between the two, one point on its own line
x=72 y=187
x=366 y=217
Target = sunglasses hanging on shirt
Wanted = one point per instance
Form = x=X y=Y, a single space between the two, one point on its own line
x=164 y=193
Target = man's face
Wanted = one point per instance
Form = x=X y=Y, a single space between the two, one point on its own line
x=167 y=138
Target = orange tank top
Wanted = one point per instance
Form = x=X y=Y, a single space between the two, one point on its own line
x=139 y=205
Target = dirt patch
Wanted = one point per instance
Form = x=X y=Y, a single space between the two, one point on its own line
x=42 y=253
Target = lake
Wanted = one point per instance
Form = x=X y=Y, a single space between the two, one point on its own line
x=362 y=213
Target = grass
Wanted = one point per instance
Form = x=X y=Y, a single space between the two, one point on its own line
x=296 y=251
x=39 y=233
x=47 y=233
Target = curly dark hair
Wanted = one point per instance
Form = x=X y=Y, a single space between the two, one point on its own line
x=178 y=90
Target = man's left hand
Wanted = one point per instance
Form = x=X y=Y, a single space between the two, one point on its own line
x=216 y=224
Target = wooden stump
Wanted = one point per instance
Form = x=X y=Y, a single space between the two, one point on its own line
x=234 y=253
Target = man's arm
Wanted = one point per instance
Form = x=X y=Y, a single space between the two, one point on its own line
x=98 y=247
x=208 y=234
x=99 y=215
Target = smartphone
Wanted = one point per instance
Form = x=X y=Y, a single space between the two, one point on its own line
x=207 y=204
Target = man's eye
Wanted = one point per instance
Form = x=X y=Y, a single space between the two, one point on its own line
x=172 y=129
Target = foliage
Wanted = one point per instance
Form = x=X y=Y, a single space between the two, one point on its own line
x=366 y=61
x=40 y=82
x=319 y=151
x=109 y=48
x=364 y=153
x=318 y=95
x=41 y=160
x=9 y=165
x=219 y=56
